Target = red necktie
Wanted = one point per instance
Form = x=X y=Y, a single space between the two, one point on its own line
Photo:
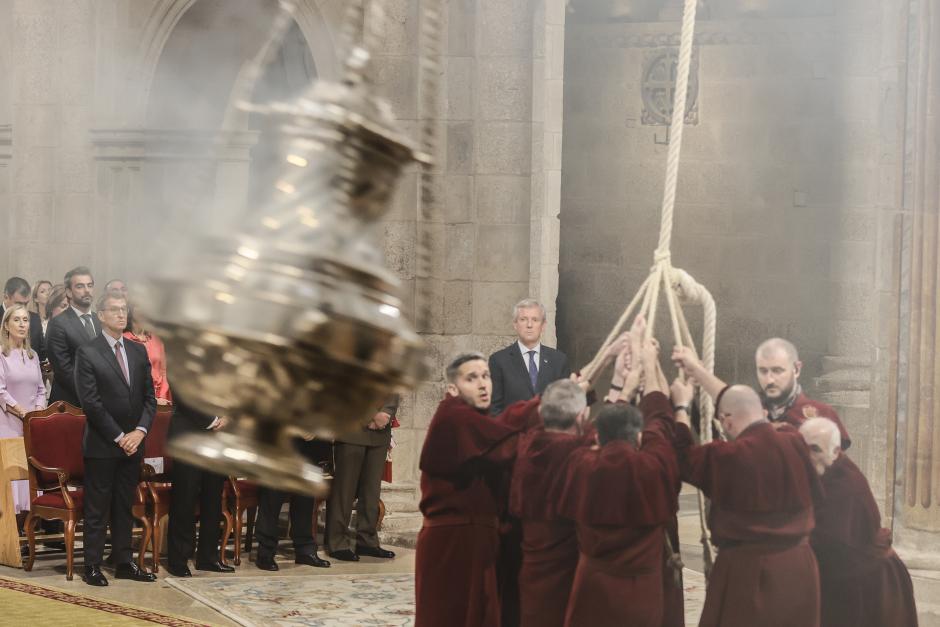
x=120 y=358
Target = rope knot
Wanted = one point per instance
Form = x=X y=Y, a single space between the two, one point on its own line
x=660 y=255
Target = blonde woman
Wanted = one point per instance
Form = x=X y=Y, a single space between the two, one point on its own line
x=38 y=300
x=21 y=385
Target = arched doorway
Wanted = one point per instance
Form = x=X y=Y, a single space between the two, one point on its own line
x=188 y=96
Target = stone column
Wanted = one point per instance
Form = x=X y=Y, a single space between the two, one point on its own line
x=917 y=500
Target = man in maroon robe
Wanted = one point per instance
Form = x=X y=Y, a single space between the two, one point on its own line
x=761 y=484
x=466 y=455
x=621 y=495
x=778 y=371
x=549 y=544
x=862 y=580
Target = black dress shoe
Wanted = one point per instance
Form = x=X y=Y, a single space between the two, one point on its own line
x=132 y=572
x=266 y=563
x=94 y=577
x=375 y=551
x=345 y=555
x=216 y=567
x=179 y=571
x=312 y=560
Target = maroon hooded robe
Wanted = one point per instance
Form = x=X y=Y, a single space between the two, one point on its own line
x=863 y=581
x=621 y=499
x=465 y=455
x=549 y=544
x=761 y=486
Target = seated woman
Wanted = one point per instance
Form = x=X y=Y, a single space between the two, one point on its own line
x=136 y=332
x=21 y=388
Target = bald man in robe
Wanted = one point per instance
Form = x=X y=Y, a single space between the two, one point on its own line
x=862 y=580
x=778 y=371
x=549 y=543
x=621 y=494
x=762 y=485
x=466 y=455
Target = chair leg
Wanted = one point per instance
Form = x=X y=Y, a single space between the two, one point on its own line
x=226 y=534
x=69 y=549
x=145 y=539
x=378 y=524
x=157 y=534
x=238 y=537
x=30 y=527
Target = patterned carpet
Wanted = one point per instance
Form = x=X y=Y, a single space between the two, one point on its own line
x=315 y=601
x=339 y=600
x=23 y=603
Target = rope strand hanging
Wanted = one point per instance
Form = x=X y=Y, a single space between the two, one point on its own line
x=676 y=284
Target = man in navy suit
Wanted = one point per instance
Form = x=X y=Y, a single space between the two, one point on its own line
x=115 y=388
x=519 y=372
x=525 y=367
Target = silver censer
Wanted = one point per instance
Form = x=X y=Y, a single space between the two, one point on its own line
x=290 y=326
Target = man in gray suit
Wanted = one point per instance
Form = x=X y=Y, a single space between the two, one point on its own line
x=359 y=461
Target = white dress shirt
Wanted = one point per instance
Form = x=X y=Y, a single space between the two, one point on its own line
x=525 y=354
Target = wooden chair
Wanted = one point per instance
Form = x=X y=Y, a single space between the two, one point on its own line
x=156 y=486
x=240 y=496
x=53 y=441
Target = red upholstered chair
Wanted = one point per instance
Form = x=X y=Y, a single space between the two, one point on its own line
x=53 y=440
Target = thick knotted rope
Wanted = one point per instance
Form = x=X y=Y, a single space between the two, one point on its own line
x=678 y=284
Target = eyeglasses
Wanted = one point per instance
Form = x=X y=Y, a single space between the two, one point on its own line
x=116 y=310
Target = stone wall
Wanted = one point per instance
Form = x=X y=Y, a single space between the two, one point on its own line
x=786 y=189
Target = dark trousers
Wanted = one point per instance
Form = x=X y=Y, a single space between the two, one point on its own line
x=192 y=485
x=301 y=522
x=357 y=472
x=270 y=502
x=110 y=492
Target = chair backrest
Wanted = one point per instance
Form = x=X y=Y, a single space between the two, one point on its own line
x=155 y=442
x=53 y=437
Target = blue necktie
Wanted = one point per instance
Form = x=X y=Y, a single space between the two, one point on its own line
x=533 y=371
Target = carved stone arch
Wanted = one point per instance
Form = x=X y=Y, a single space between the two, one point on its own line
x=318 y=23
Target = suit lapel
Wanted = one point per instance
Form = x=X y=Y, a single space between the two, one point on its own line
x=108 y=355
x=544 y=368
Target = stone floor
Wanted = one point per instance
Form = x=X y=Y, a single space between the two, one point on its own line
x=161 y=597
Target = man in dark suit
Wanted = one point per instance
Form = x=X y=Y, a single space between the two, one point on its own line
x=115 y=389
x=358 y=464
x=17 y=292
x=525 y=367
x=192 y=485
x=74 y=327
x=302 y=531
x=519 y=372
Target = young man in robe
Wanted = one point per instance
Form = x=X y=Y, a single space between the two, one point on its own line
x=778 y=371
x=762 y=485
x=621 y=494
x=862 y=580
x=466 y=456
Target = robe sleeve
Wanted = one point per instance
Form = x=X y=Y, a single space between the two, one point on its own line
x=459 y=434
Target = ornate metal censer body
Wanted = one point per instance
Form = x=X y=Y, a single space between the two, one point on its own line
x=291 y=325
